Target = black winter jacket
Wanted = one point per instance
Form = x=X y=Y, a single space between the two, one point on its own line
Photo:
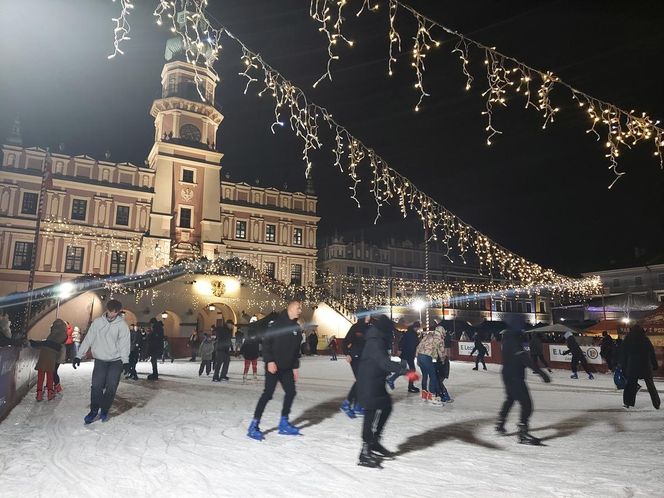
x=249 y=349
x=573 y=347
x=638 y=353
x=408 y=343
x=156 y=340
x=224 y=335
x=480 y=348
x=516 y=359
x=281 y=342
x=353 y=343
x=535 y=345
x=375 y=364
x=606 y=347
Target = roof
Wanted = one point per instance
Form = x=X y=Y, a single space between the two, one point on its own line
x=654 y=322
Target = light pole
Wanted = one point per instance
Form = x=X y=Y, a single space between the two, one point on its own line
x=418 y=305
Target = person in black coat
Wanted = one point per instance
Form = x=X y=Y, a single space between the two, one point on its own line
x=313 y=343
x=537 y=350
x=155 y=342
x=407 y=347
x=250 y=352
x=577 y=356
x=222 y=357
x=134 y=335
x=281 y=353
x=606 y=350
x=352 y=346
x=481 y=351
x=375 y=364
x=515 y=362
x=639 y=362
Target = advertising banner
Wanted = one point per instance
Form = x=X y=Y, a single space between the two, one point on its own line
x=590 y=352
x=466 y=347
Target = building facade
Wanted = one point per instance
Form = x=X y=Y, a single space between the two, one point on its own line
x=99 y=217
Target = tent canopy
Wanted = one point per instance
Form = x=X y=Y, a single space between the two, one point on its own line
x=555 y=328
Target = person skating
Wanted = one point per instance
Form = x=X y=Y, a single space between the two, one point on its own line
x=352 y=346
x=430 y=350
x=60 y=359
x=639 y=362
x=222 y=358
x=537 y=350
x=606 y=350
x=515 y=362
x=76 y=337
x=109 y=340
x=239 y=340
x=49 y=352
x=250 y=350
x=134 y=351
x=481 y=351
x=375 y=364
x=407 y=348
x=166 y=351
x=155 y=343
x=577 y=356
x=70 y=353
x=313 y=343
x=193 y=342
x=205 y=349
x=333 y=348
x=281 y=353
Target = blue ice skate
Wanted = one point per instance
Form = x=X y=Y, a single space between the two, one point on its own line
x=103 y=417
x=574 y=376
x=254 y=431
x=346 y=408
x=358 y=409
x=591 y=376
x=287 y=429
x=90 y=417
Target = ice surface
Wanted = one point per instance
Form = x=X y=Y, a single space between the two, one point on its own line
x=186 y=436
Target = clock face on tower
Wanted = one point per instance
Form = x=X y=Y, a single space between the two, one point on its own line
x=190 y=132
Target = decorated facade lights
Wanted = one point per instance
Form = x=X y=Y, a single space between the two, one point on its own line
x=122 y=28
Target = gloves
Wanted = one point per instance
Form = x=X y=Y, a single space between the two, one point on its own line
x=76 y=362
x=412 y=376
x=545 y=377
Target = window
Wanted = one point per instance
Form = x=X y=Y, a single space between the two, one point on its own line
x=118 y=262
x=542 y=306
x=78 y=209
x=519 y=307
x=297 y=236
x=380 y=272
x=185 y=217
x=296 y=274
x=499 y=306
x=270 y=269
x=74 y=261
x=188 y=175
x=529 y=307
x=508 y=306
x=616 y=282
x=30 y=201
x=122 y=215
x=22 y=255
x=365 y=271
x=240 y=229
x=350 y=270
x=638 y=281
x=270 y=233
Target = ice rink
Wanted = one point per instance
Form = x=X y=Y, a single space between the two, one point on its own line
x=186 y=436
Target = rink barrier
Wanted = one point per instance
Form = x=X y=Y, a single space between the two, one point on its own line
x=17 y=376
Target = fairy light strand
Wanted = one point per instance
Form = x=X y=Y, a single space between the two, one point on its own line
x=122 y=27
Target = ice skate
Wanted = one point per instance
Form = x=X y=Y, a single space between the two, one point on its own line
x=254 y=431
x=382 y=452
x=347 y=409
x=368 y=459
x=244 y=379
x=591 y=376
x=286 y=428
x=413 y=389
x=527 y=438
x=90 y=417
x=103 y=416
x=574 y=376
x=500 y=427
x=359 y=411
x=255 y=377
x=40 y=395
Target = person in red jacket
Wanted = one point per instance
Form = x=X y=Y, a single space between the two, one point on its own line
x=69 y=343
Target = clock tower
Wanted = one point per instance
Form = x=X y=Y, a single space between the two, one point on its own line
x=185 y=220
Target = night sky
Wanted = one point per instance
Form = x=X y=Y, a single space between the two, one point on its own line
x=542 y=194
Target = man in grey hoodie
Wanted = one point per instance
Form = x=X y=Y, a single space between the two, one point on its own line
x=109 y=340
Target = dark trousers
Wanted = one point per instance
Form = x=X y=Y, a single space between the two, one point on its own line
x=105 y=380
x=133 y=360
x=287 y=381
x=480 y=359
x=374 y=423
x=517 y=391
x=207 y=364
x=629 y=394
x=352 y=394
x=153 y=360
x=411 y=366
x=536 y=357
x=579 y=359
x=609 y=361
x=428 y=374
x=221 y=362
x=56 y=377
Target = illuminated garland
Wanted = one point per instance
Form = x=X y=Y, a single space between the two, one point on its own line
x=621 y=128
x=105 y=239
x=122 y=28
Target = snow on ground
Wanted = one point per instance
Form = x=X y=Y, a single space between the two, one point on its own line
x=185 y=436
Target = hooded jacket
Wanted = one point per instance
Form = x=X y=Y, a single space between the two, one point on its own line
x=51 y=349
x=408 y=343
x=108 y=340
x=432 y=345
x=572 y=345
x=281 y=342
x=249 y=349
x=535 y=345
x=156 y=339
x=206 y=349
x=638 y=355
x=353 y=343
x=516 y=359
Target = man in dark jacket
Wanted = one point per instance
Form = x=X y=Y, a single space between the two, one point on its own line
x=515 y=361
x=155 y=342
x=313 y=343
x=133 y=352
x=639 y=362
x=481 y=351
x=352 y=345
x=281 y=353
x=407 y=347
x=606 y=350
x=375 y=364
x=577 y=356
x=222 y=357
x=536 y=350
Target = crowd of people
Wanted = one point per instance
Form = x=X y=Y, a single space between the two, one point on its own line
x=370 y=348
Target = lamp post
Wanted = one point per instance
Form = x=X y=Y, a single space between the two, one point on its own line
x=418 y=305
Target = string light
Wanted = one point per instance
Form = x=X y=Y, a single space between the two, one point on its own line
x=122 y=28
x=624 y=129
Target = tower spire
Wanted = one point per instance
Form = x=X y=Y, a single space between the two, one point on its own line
x=15 y=138
x=309 y=188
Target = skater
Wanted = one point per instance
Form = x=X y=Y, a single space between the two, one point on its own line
x=166 y=351
x=60 y=359
x=134 y=351
x=375 y=364
x=639 y=362
x=49 y=353
x=69 y=344
x=239 y=340
x=222 y=353
x=536 y=350
x=281 y=347
x=606 y=350
x=333 y=348
x=515 y=361
x=76 y=337
x=206 y=348
x=481 y=351
x=109 y=339
x=577 y=356
x=352 y=346
x=193 y=342
x=407 y=349
x=430 y=350
x=313 y=343
x=447 y=343
x=155 y=343
x=250 y=350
